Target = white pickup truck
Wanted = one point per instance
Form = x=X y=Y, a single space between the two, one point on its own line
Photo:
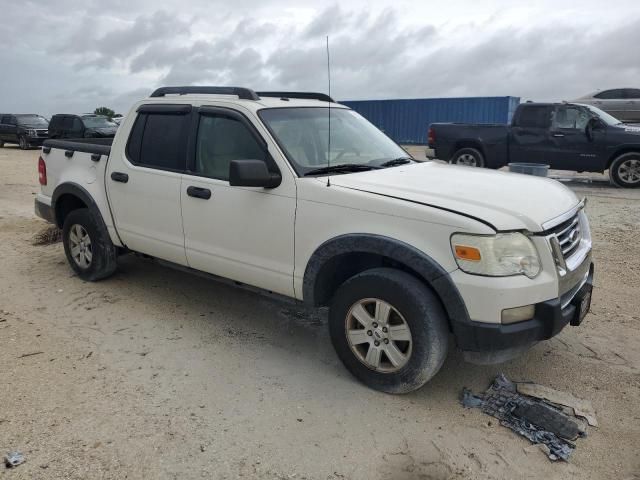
x=297 y=195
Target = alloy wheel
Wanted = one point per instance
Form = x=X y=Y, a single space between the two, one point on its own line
x=378 y=335
x=629 y=171
x=80 y=246
x=466 y=159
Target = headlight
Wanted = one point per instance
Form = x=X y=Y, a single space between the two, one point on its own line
x=498 y=255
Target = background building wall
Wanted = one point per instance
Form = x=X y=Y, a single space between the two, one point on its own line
x=407 y=120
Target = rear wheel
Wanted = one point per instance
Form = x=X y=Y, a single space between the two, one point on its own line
x=88 y=248
x=389 y=330
x=1 y=144
x=22 y=142
x=469 y=157
x=625 y=170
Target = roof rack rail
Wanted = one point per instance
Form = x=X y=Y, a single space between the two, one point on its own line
x=323 y=97
x=242 y=93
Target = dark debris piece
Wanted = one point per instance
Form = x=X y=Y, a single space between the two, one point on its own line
x=533 y=418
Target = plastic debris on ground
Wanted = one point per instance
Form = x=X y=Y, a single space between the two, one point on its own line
x=542 y=415
x=13 y=459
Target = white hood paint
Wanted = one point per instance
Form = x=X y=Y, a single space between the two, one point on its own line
x=508 y=201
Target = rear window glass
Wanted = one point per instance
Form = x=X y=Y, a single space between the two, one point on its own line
x=158 y=140
x=534 y=116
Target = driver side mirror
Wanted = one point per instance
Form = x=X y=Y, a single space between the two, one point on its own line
x=592 y=124
x=252 y=173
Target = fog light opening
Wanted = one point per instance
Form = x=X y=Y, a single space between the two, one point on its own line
x=518 y=314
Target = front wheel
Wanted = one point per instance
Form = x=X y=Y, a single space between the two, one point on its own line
x=389 y=329
x=22 y=142
x=625 y=170
x=88 y=248
x=469 y=157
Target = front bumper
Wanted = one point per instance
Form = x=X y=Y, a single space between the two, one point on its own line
x=549 y=319
x=36 y=141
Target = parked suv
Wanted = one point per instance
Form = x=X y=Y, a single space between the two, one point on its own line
x=246 y=186
x=81 y=126
x=622 y=103
x=26 y=130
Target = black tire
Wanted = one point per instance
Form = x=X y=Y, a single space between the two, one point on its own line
x=22 y=142
x=1 y=144
x=621 y=171
x=103 y=262
x=420 y=309
x=469 y=157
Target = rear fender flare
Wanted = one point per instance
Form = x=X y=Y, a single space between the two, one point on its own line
x=81 y=193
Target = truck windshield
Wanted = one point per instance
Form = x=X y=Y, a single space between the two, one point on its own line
x=604 y=116
x=303 y=134
x=98 y=122
x=32 y=121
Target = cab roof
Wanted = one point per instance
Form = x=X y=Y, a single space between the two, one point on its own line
x=245 y=96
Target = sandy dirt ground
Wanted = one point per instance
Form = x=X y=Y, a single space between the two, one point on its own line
x=156 y=373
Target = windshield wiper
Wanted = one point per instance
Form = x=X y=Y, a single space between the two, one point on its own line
x=342 y=168
x=397 y=161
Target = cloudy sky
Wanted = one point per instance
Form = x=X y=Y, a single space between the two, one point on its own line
x=72 y=56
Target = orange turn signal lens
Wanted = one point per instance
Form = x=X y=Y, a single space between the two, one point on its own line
x=471 y=254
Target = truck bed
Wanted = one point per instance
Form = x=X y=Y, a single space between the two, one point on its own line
x=490 y=138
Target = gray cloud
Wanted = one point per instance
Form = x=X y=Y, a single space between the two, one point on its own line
x=77 y=55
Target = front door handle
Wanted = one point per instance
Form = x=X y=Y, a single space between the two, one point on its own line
x=119 y=177
x=558 y=134
x=198 y=192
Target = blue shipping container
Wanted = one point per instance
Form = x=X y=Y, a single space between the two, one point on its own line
x=407 y=121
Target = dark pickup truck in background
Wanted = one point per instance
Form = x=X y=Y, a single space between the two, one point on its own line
x=565 y=136
x=64 y=125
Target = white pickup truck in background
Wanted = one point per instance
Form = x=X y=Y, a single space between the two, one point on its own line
x=244 y=186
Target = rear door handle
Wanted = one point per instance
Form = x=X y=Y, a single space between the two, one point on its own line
x=119 y=177
x=558 y=134
x=198 y=192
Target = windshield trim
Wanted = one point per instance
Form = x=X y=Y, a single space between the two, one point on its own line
x=292 y=164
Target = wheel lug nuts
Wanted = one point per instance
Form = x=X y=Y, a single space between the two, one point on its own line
x=386 y=341
x=375 y=325
x=376 y=343
x=384 y=329
x=369 y=332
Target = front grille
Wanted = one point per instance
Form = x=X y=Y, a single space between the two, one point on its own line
x=569 y=235
x=42 y=133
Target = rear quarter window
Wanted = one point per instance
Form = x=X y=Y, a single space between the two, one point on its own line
x=159 y=140
x=534 y=116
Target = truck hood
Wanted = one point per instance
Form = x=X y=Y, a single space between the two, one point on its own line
x=506 y=201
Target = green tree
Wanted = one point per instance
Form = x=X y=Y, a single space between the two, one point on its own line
x=107 y=112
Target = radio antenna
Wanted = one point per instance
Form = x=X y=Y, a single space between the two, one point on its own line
x=329 y=131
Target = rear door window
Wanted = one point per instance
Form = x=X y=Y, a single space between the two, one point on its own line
x=159 y=140
x=534 y=116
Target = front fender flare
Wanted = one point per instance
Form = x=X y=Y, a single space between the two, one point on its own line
x=413 y=259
